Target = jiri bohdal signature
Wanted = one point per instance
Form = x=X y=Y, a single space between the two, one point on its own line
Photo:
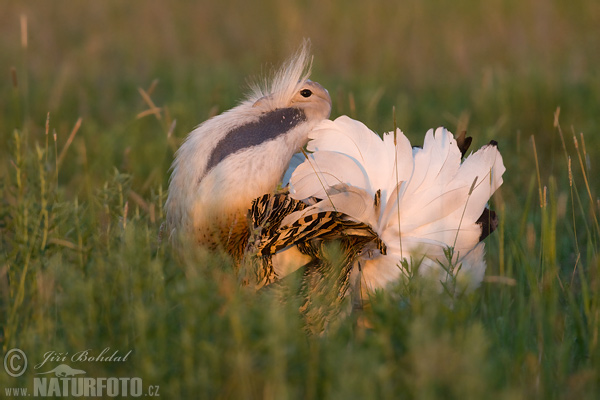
x=84 y=356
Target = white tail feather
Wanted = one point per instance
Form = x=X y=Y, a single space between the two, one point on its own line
x=429 y=200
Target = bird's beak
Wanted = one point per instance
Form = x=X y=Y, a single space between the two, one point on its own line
x=325 y=97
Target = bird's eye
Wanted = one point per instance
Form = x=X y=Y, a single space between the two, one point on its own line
x=305 y=93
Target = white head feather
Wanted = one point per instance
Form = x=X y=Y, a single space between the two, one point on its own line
x=285 y=82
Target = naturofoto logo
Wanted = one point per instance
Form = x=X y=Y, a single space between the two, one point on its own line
x=64 y=380
x=63 y=370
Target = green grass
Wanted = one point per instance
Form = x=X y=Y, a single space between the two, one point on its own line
x=81 y=266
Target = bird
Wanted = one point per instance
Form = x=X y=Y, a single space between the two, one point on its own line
x=272 y=235
x=242 y=154
x=388 y=205
x=427 y=205
x=326 y=242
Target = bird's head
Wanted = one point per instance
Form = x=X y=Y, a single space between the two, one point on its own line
x=308 y=96
x=314 y=99
x=289 y=87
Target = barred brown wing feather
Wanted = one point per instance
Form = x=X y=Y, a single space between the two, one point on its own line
x=265 y=274
x=326 y=225
x=269 y=210
x=313 y=235
x=265 y=216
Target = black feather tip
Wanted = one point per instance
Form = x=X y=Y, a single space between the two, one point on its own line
x=463 y=142
x=488 y=220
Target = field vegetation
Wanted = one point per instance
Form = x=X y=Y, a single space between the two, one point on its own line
x=95 y=97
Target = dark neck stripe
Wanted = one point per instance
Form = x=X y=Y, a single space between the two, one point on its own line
x=269 y=126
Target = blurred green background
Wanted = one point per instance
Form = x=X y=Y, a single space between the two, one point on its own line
x=80 y=264
x=500 y=68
